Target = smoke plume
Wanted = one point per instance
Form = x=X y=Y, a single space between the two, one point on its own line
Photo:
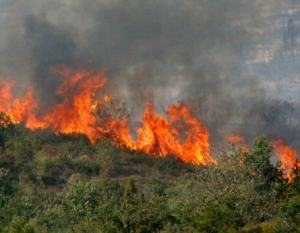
x=229 y=60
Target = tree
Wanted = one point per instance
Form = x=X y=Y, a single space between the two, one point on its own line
x=290 y=208
x=233 y=187
x=138 y=214
x=7 y=189
x=261 y=169
x=6 y=129
x=81 y=200
x=290 y=200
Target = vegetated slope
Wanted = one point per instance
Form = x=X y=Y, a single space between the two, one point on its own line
x=63 y=183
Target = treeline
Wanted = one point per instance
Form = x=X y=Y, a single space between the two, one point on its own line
x=60 y=183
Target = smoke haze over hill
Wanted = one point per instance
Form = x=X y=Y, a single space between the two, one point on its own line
x=229 y=60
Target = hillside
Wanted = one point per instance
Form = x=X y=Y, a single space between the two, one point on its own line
x=63 y=183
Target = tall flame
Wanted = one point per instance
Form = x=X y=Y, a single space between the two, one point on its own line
x=73 y=114
x=18 y=109
x=183 y=135
x=179 y=134
x=287 y=157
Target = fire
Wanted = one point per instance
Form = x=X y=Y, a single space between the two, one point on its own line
x=5 y=92
x=287 y=157
x=183 y=135
x=72 y=115
x=17 y=109
x=179 y=133
x=235 y=139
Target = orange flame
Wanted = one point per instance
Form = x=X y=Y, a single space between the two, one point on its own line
x=5 y=92
x=180 y=134
x=183 y=135
x=287 y=157
x=72 y=115
x=18 y=109
x=235 y=139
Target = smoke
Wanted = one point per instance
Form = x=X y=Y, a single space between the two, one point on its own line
x=213 y=55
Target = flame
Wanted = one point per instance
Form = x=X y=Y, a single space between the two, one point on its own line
x=72 y=115
x=235 y=139
x=287 y=157
x=18 y=109
x=5 y=92
x=179 y=134
x=182 y=135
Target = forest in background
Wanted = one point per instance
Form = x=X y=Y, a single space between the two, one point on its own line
x=62 y=183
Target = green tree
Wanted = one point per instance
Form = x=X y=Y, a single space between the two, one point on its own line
x=291 y=214
x=290 y=200
x=258 y=159
x=7 y=188
x=130 y=208
x=80 y=201
x=18 y=225
x=138 y=214
x=229 y=188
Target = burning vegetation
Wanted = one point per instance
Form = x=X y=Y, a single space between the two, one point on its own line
x=179 y=133
x=287 y=157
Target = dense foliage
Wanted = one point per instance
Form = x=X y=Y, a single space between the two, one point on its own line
x=59 y=183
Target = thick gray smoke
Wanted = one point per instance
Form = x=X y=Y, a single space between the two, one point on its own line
x=228 y=59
